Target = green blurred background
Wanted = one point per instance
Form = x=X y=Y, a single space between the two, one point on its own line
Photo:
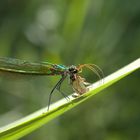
x=106 y=33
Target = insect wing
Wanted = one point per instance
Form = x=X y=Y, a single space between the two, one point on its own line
x=29 y=68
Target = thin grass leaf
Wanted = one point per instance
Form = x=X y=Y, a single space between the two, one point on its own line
x=30 y=123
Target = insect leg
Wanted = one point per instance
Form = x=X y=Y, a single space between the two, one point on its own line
x=55 y=87
x=59 y=89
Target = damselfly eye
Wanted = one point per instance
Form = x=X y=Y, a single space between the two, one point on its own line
x=73 y=69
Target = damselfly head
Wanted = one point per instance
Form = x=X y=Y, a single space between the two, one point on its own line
x=73 y=69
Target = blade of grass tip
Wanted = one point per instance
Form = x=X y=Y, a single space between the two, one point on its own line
x=28 y=124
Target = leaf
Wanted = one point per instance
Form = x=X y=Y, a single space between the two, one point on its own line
x=30 y=123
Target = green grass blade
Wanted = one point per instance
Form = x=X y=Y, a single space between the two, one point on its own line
x=30 y=123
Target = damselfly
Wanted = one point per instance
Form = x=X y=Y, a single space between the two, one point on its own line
x=77 y=82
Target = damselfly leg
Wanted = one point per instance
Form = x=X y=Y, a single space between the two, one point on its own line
x=58 y=86
x=59 y=89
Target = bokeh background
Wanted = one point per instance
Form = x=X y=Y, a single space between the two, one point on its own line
x=106 y=33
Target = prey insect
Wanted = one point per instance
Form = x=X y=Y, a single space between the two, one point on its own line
x=77 y=82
